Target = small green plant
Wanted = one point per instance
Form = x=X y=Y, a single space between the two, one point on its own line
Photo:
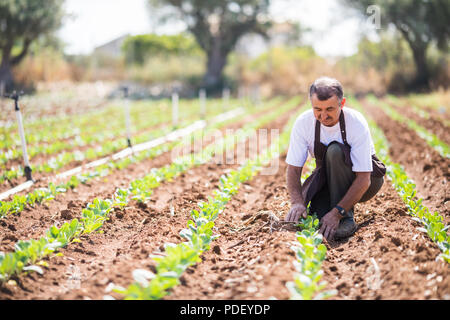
x=310 y=253
x=433 y=222
x=96 y=213
x=199 y=231
x=430 y=138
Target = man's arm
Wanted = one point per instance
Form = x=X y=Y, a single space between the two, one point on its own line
x=294 y=186
x=330 y=222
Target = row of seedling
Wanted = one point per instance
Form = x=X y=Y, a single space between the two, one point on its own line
x=199 y=232
x=19 y=202
x=93 y=124
x=106 y=148
x=310 y=253
x=96 y=213
x=115 y=130
x=429 y=137
x=406 y=188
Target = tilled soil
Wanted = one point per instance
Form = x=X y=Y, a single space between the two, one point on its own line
x=33 y=222
x=127 y=239
x=441 y=114
x=433 y=124
x=252 y=258
x=424 y=165
x=387 y=257
x=44 y=158
x=42 y=178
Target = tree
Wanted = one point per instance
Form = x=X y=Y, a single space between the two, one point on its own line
x=421 y=23
x=138 y=48
x=217 y=25
x=21 y=23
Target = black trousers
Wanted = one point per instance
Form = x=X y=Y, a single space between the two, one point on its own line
x=339 y=179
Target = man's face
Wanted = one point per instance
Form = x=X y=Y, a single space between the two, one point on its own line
x=327 y=111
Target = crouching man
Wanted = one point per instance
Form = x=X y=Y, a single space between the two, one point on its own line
x=347 y=170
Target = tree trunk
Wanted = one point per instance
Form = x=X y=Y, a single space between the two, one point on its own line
x=421 y=82
x=217 y=58
x=6 y=77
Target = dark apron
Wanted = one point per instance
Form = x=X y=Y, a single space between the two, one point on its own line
x=318 y=178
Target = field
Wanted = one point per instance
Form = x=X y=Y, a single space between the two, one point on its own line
x=190 y=218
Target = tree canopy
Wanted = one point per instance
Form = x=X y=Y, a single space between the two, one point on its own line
x=217 y=25
x=421 y=22
x=21 y=23
x=138 y=48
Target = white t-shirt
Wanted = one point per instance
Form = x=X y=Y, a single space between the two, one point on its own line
x=358 y=137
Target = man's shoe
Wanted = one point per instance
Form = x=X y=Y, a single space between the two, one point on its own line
x=347 y=227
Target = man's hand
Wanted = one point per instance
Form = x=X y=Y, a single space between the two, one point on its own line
x=297 y=210
x=330 y=223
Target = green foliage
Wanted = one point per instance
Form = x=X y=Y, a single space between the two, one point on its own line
x=121 y=198
x=391 y=57
x=430 y=138
x=310 y=253
x=420 y=22
x=279 y=57
x=199 y=231
x=27 y=252
x=158 y=69
x=25 y=20
x=217 y=26
x=96 y=213
x=433 y=222
x=138 y=49
x=22 y=22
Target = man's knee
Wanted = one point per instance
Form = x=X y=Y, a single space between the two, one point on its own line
x=375 y=186
x=334 y=153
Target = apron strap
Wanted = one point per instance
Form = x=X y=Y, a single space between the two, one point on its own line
x=317 y=139
x=343 y=132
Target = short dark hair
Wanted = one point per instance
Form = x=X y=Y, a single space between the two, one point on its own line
x=325 y=88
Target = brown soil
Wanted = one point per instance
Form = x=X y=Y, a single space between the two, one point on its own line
x=422 y=163
x=252 y=258
x=127 y=239
x=32 y=222
x=438 y=114
x=387 y=258
x=433 y=124
x=42 y=178
x=40 y=159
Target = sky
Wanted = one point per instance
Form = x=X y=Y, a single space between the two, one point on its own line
x=96 y=22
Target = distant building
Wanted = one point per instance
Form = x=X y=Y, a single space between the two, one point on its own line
x=112 y=49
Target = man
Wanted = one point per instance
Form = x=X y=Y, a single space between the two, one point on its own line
x=347 y=170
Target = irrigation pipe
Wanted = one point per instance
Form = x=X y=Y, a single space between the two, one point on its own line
x=174 y=135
